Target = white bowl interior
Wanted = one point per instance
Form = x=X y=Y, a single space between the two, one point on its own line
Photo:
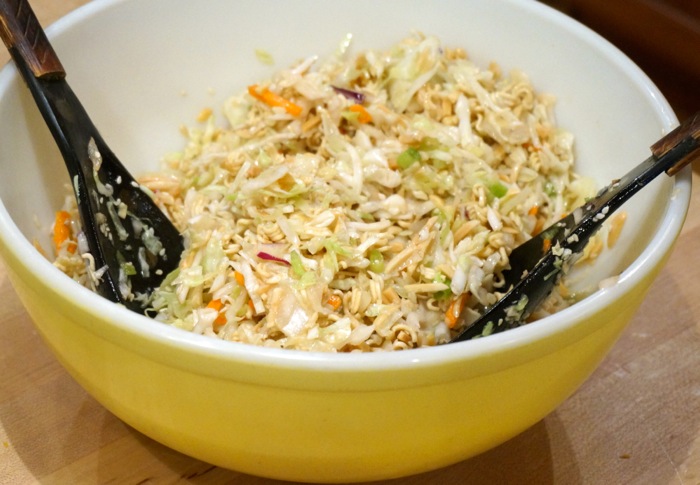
x=144 y=68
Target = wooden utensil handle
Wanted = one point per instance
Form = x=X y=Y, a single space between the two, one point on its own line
x=689 y=132
x=22 y=34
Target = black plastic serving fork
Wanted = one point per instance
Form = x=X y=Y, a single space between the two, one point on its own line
x=537 y=265
x=133 y=244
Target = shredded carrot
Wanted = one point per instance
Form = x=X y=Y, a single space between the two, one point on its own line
x=240 y=279
x=546 y=244
x=335 y=301
x=61 y=232
x=272 y=99
x=251 y=305
x=217 y=305
x=453 y=311
x=539 y=224
x=363 y=114
x=534 y=210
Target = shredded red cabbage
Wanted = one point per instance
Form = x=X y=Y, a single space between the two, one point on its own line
x=270 y=257
x=354 y=95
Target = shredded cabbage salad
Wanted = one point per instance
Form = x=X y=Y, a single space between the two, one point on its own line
x=360 y=202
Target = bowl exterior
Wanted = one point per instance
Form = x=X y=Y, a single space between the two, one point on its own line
x=311 y=426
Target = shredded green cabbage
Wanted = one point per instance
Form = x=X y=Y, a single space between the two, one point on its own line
x=388 y=215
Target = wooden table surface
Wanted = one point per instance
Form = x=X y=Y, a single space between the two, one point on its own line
x=635 y=421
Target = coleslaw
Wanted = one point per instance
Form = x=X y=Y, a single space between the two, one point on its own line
x=359 y=202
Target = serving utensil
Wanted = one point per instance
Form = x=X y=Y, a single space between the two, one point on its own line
x=133 y=244
x=537 y=265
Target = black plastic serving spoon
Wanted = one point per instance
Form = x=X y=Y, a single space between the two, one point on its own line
x=128 y=236
x=537 y=265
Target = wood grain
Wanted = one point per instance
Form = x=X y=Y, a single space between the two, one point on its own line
x=635 y=421
x=22 y=33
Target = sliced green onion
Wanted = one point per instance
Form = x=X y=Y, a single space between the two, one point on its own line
x=407 y=158
x=550 y=189
x=376 y=261
x=128 y=268
x=443 y=294
x=334 y=246
x=497 y=189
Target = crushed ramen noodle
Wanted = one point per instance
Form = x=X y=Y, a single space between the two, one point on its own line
x=357 y=203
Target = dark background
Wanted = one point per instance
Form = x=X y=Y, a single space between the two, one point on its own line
x=660 y=36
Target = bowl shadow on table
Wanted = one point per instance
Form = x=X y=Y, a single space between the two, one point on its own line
x=525 y=459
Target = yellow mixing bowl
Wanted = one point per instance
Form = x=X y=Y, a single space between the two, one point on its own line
x=308 y=416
